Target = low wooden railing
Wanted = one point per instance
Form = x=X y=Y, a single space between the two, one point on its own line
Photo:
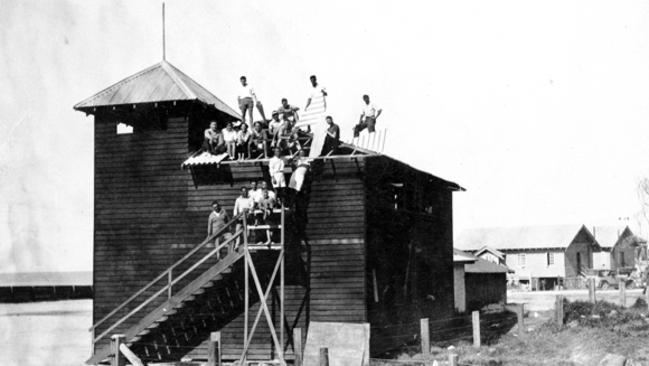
x=171 y=280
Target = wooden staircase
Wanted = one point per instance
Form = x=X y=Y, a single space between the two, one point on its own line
x=167 y=324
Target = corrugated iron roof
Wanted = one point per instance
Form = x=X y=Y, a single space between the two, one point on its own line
x=161 y=82
x=525 y=237
x=608 y=236
x=204 y=158
x=29 y=279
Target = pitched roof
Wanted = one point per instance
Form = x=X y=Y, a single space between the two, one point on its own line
x=161 y=82
x=608 y=236
x=525 y=237
x=473 y=264
x=493 y=251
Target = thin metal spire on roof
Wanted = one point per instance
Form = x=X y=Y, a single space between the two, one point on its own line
x=164 y=47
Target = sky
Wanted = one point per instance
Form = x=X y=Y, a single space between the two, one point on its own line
x=539 y=109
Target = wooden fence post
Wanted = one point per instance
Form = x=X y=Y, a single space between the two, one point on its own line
x=591 y=290
x=475 y=316
x=520 y=318
x=622 y=285
x=118 y=358
x=425 y=336
x=214 y=349
x=324 y=356
x=297 y=346
x=558 y=310
x=452 y=359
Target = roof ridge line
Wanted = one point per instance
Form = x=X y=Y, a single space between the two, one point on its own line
x=121 y=82
x=170 y=70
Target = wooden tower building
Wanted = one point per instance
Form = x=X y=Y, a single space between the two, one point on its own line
x=369 y=240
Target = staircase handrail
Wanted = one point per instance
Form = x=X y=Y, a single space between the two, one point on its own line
x=168 y=271
x=168 y=286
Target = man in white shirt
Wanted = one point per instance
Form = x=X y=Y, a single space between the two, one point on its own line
x=247 y=99
x=316 y=91
x=243 y=203
x=255 y=192
x=368 y=117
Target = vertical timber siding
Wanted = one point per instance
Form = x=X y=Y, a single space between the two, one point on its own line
x=410 y=251
x=139 y=209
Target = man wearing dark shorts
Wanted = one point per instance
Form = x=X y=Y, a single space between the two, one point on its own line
x=248 y=100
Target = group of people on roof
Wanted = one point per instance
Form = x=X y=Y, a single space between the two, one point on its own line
x=281 y=135
x=251 y=139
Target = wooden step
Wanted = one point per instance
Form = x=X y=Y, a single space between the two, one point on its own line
x=264 y=227
x=162 y=319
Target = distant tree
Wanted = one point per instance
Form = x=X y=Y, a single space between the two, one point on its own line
x=643 y=197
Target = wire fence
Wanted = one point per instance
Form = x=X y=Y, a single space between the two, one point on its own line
x=406 y=337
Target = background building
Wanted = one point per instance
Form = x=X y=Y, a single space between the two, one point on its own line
x=541 y=256
x=478 y=282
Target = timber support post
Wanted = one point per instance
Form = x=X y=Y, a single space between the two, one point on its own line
x=591 y=290
x=297 y=346
x=453 y=359
x=558 y=310
x=425 y=336
x=324 y=356
x=622 y=286
x=118 y=358
x=214 y=349
x=520 y=318
x=475 y=317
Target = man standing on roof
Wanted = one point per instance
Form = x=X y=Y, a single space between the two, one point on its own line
x=368 y=117
x=247 y=100
x=316 y=91
x=214 y=142
x=288 y=110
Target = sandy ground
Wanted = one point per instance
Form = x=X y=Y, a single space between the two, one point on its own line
x=544 y=300
x=56 y=333
x=45 y=333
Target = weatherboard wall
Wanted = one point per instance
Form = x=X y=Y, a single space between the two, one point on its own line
x=335 y=233
x=409 y=251
x=148 y=213
x=140 y=196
